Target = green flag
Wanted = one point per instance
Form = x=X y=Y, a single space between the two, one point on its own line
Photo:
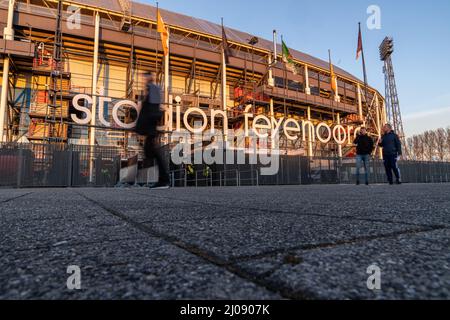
x=289 y=60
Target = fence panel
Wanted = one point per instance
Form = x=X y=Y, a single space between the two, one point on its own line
x=53 y=165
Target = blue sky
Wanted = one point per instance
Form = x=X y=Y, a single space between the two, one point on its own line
x=421 y=30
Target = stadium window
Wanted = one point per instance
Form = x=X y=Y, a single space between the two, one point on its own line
x=295 y=85
x=279 y=82
x=315 y=91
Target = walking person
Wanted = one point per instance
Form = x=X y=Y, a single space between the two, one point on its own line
x=146 y=126
x=364 y=148
x=392 y=151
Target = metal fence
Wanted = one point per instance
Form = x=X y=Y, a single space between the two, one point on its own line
x=306 y=171
x=53 y=165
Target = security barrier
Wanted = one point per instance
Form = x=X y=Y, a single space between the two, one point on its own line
x=56 y=165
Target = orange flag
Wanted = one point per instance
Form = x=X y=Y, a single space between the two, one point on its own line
x=333 y=78
x=162 y=30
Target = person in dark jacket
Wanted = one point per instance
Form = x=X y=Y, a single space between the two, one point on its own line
x=364 y=148
x=392 y=150
x=147 y=124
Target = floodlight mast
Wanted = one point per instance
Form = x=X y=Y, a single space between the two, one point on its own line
x=392 y=101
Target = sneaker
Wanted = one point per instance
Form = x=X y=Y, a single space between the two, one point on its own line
x=399 y=182
x=357 y=183
x=367 y=183
x=160 y=186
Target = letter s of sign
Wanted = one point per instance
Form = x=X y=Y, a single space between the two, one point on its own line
x=84 y=109
x=74 y=280
x=374 y=281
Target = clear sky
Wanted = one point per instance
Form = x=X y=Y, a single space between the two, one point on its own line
x=421 y=30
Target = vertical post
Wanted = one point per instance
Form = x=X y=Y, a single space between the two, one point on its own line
x=94 y=96
x=310 y=144
x=270 y=80
x=8 y=34
x=166 y=75
x=339 y=145
x=224 y=92
x=95 y=79
x=377 y=106
x=360 y=110
x=307 y=87
x=4 y=98
x=272 y=112
x=384 y=113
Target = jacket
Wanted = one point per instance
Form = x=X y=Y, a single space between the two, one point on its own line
x=154 y=93
x=150 y=113
x=391 y=144
x=364 y=145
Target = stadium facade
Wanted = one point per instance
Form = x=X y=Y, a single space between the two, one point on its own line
x=55 y=51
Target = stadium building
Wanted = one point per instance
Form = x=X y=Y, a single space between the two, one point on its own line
x=53 y=51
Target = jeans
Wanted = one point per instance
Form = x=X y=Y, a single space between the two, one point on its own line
x=390 y=163
x=362 y=160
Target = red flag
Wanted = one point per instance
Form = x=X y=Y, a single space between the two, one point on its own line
x=360 y=44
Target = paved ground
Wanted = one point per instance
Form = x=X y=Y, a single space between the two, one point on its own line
x=308 y=242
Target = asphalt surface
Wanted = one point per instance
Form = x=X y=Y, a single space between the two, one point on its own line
x=297 y=242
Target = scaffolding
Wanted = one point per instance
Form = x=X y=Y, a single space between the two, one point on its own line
x=129 y=47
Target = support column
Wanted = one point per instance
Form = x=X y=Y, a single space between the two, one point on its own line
x=224 y=90
x=307 y=87
x=272 y=112
x=94 y=96
x=360 y=111
x=339 y=145
x=270 y=80
x=166 y=75
x=310 y=143
x=94 y=80
x=377 y=107
x=8 y=34
x=385 y=120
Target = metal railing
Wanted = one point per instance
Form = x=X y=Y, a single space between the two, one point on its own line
x=56 y=165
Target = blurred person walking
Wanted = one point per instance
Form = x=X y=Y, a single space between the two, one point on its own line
x=146 y=126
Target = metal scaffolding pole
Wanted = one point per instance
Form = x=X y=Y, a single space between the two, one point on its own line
x=8 y=34
x=94 y=96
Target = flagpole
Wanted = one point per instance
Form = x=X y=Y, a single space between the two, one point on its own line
x=331 y=75
x=364 y=69
x=157 y=42
x=224 y=98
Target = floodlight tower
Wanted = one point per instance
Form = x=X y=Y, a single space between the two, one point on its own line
x=392 y=102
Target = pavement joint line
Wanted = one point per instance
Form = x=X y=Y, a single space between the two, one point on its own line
x=348 y=217
x=311 y=247
x=204 y=255
x=69 y=244
x=15 y=198
x=68 y=218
